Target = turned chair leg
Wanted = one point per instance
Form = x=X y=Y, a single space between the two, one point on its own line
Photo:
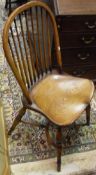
x=17 y=120
x=88 y=115
x=59 y=148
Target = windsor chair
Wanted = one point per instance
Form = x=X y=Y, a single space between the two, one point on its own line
x=30 y=35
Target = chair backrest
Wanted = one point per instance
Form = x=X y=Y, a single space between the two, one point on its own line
x=28 y=36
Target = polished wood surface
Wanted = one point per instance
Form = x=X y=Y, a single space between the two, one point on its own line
x=75 y=7
x=62 y=98
x=4 y=161
x=77 y=36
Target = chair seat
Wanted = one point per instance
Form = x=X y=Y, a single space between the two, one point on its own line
x=62 y=98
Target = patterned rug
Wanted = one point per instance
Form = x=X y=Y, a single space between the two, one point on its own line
x=29 y=143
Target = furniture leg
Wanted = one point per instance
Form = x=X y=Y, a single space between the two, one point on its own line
x=17 y=120
x=88 y=115
x=59 y=148
x=6 y=4
x=10 y=7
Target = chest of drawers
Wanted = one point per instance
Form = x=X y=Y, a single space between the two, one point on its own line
x=76 y=21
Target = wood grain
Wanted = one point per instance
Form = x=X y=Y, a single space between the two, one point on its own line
x=62 y=98
x=79 y=7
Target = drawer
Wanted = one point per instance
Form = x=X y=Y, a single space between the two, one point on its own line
x=79 y=56
x=76 y=23
x=77 y=39
x=85 y=72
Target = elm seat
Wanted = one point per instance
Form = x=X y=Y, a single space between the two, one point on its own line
x=72 y=94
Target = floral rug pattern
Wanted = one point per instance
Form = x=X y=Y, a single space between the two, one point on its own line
x=29 y=143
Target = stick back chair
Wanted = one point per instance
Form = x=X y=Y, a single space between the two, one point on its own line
x=29 y=35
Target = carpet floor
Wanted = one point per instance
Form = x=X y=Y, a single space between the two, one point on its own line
x=73 y=164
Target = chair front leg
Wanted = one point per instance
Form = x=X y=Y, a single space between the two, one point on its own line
x=17 y=120
x=59 y=148
x=88 y=115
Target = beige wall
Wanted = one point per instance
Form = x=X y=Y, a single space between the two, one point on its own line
x=4 y=162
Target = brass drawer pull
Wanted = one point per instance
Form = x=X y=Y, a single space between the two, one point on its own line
x=58 y=26
x=83 y=57
x=88 y=41
x=91 y=26
x=79 y=73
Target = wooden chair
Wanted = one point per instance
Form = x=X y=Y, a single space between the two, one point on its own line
x=28 y=50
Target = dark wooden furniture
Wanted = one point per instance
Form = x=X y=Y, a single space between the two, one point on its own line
x=9 y=3
x=76 y=21
x=27 y=46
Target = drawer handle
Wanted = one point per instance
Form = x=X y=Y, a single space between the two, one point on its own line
x=58 y=26
x=91 y=26
x=83 y=58
x=88 y=41
x=79 y=73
